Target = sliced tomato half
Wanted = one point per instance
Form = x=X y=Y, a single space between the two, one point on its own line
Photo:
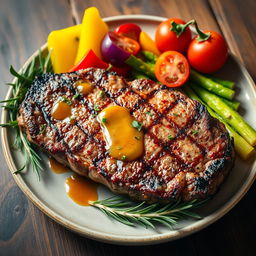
x=127 y=44
x=172 y=69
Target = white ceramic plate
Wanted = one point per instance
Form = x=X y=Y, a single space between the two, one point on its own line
x=49 y=194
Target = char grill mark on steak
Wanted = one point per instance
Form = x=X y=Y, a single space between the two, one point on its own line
x=176 y=157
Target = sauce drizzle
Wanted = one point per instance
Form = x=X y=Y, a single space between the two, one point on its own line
x=57 y=167
x=81 y=190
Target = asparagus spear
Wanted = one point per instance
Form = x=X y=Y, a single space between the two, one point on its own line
x=226 y=83
x=150 y=56
x=242 y=147
x=141 y=66
x=211 y=85
x=152 y=65
x=233 y=104
x=228 y=114
x=137 y=75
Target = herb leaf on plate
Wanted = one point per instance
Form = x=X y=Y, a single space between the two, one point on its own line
x=130 y=213
x=39 y=65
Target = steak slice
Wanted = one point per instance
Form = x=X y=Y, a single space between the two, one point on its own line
x=187 y=154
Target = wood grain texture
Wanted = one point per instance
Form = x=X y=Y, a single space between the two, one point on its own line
x=24 y=26
x=237 y=21
x=185 y=9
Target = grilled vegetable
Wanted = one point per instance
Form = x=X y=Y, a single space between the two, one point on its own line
x=233 y=104
x=130 y=30
x=147 y=44
x=137 y=75
x=116 y=48
x=228 y=114
x=172 y=69
x=60 y=42
x=226 y=83
x=211 y=85
x=150 y=56
x=141 y=66
x=92 y=32
x=173 y=35
x=208 y=51
x=92 y=61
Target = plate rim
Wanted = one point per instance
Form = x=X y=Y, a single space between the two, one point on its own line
x=111 y=238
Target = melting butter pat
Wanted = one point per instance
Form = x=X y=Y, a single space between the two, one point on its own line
x=84 y=87
x=61 y=110
x=124 y=142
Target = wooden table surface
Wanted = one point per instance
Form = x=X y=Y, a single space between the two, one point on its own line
x=24 y=26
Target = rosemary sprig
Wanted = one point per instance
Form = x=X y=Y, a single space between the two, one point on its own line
x=146 y=215
x=39 y=65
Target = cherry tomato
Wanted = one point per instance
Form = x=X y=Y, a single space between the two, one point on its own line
x=168 y=40
x=172 y=69
x=210 y=55
x=127 y=44
x=130 y=30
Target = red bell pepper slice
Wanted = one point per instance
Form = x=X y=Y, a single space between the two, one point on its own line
x=91 y=60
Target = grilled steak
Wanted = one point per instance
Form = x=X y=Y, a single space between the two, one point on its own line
x=187 y=153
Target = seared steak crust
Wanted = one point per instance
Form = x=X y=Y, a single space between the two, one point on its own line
x=187 y=152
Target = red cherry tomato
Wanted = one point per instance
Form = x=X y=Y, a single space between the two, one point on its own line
x=130 y=30
x=172 y=69
x=167 y=40
x=127 y=44
x=210 y=55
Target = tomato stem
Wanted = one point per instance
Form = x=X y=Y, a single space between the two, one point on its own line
x=179 y=28
x=201 y=35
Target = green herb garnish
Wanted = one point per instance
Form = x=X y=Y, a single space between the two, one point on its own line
x=130 y=213
x=170 y=137
x=137 y=125
x=104 y=120
x=10 y=124
x=194 y=132
x=109 y=67
x=76 y=96
x=42 y=128
x=137 y=137
x=102 y=94
x=39 y=65
x=66 y=100
x=123 y=157
x=175 y=114
x=96 y=107
x=149 y=113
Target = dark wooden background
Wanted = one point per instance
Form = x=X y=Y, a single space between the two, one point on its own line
x=24 y=26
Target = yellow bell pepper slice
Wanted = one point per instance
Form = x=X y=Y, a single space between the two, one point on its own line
x=64 y=45
x=92 y=32
x=147 y=44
